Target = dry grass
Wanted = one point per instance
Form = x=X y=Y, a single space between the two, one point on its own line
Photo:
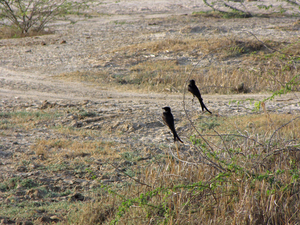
x=247 y=173
x=182 y=195
x=252 y=184
x=27 y=119
x=60 y=149
x=228 y=64
x=14 y=32
x=222 y=46
x=261 y=124
x=169 y=45
x=217 y=14
x=158 y=74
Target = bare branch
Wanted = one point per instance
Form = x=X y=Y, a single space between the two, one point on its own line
x=236 y=135
x=272 y=49
x=247 y=14
x=275 y=152
x=9 y=12
x=189 y=163
x=128 y=175
x=270 y=140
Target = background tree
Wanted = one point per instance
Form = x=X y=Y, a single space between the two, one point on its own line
x=35 y=14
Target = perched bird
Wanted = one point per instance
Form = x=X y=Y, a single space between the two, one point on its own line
x=195 y=91
x=169 y=120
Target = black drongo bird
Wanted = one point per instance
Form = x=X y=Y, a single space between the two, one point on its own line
x=195 y=91
x=169 y=120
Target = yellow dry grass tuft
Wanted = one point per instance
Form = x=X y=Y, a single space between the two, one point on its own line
x=266 y=124
x=174 y=45
x=54 y=149
x=158 y=74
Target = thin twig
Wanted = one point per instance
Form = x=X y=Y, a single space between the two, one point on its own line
x=275 y=50
x=269 y=144
x=275 y=152
x=236 y=135
x=189 y=163
x=128 y=175
x=213 y=164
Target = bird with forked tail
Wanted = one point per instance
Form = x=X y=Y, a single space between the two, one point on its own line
x=195 y=91
x=169 y=120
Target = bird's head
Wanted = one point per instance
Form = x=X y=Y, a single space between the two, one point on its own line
x=167 y=109
x=192 y=82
